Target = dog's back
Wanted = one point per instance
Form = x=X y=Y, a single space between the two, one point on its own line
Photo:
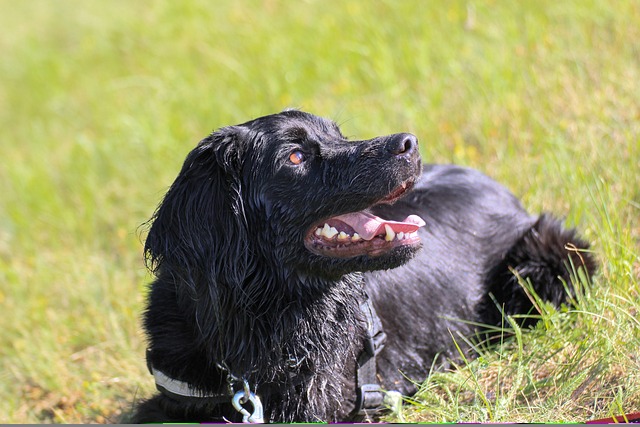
x=478 y=244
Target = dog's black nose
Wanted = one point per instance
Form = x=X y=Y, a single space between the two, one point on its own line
x=402 y=144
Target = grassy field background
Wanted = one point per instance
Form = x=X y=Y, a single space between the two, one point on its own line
x=101 y=101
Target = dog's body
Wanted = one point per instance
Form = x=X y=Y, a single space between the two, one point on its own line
x=253 y=288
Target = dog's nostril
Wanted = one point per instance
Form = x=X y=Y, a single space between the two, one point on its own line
x=402 y=144
x=409 y=144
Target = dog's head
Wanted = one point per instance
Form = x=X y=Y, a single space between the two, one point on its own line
x=290 y=191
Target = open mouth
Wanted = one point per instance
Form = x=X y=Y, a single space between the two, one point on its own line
x=362 y=233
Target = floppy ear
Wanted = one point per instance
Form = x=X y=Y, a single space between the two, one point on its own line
x=198 y=232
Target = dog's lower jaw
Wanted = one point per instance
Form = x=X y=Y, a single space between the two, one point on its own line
x=397 y=257
x=343 y=248
x=335 y=269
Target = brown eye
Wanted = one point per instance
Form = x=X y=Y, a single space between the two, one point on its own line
x=297 y=157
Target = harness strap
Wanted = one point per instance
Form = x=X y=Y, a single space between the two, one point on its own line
x=370 y=398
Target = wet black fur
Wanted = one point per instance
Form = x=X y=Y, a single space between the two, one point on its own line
x=237 y=291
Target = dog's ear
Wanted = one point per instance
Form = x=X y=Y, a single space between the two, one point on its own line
x=198 y=232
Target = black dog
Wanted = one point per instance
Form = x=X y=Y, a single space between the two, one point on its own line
x=280 y=240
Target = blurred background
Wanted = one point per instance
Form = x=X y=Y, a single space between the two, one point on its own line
x=101 y=101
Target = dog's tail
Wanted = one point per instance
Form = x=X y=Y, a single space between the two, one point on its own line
x=548 y=263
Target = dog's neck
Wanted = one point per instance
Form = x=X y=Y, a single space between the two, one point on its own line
x=284 y=328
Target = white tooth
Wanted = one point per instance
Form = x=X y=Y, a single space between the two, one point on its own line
x=355 y=237
x=343 y=237
x=400 y=235
x=390 y=233
x=329 y=232
x=318 y=231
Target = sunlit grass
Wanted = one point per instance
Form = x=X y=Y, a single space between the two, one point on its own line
x=101 y=101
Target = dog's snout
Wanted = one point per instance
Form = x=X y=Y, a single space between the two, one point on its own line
x=402 y=144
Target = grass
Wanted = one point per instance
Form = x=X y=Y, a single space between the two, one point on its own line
x=101 y=101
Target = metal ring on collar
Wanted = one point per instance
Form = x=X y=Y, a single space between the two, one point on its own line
x=258 y=414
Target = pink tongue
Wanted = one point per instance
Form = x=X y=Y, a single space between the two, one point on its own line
x=368 y=225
